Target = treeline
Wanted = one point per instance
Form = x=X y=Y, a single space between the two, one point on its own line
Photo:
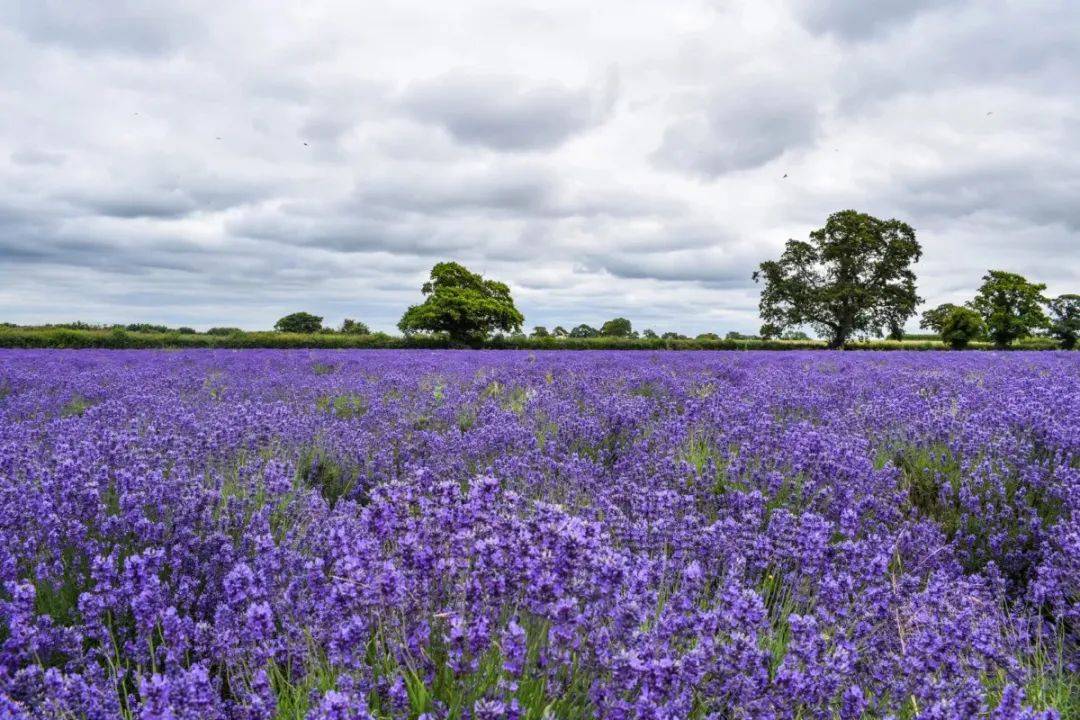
x=120 y=338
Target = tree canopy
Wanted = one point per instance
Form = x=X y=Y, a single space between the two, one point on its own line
x=1065 y=319
x=354 y=327
x=934 y=318
x=616 y=327
x=1010 y=306
x=299 y=322
x=961 y=326
x=853 y=276
x=584 y=331
x=462 y=304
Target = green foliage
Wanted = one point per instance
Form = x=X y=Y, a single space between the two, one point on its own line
x=463 y=305
x=540 y=332
x=672 y=336
x=934 y=318
x=707 y=336
x=853 y=276
x=218 y=331
x=559 y=331
x=184 y=330
x=617 y=327
x=649 y=333
x=354 y=327
x=146 y=328
x=1011 y=307
x=799 y=335
x=584 y=331
x=1065 y=319
x=961 y=326
x=299 y=322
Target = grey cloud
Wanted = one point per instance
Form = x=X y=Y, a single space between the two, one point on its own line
x=32 y=156
x=109 y=26
x=860 y=19
x=506 y=113
x=739 y=130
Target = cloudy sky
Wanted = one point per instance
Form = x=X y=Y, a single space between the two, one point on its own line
x=212 y=163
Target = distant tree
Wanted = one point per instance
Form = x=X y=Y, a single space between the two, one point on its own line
x=794 y=335
x=184 y=330
x=146 y=328
x=649 y=333
x=934 y=318
x=853 y=276
x=584 y=331
x=1010 y=306
x=224 y=331
x=1065 y=319
x=707 y=336
x=673 y=336
x=616 y=327
x=560 y=331
x=462 y=304
x=299 y=322
x=961 y=326
x=354 y=327
x=540 y=332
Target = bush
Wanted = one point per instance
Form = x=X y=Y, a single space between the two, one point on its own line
x=299 y=322
x=961 y=326
x=354 y=327
x=224 y=331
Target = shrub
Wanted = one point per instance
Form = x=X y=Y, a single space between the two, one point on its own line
x=961 y=326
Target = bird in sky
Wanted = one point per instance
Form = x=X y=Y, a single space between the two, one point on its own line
x=306 y=145
x=989 y=113
x=785 y=175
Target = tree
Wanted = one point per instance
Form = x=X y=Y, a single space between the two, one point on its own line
x=185 y=330
x=961 y=326
x=707 y=336
x=462 y=304
x=649 y=333
x=616 y=327
x=559 y=331
x=794 y=335
x=1011 y=307
x=673 y=336
x=224 y=331
x=934 y=318
x=299 y=322
x=354 y=327
x=1065 y=319
x=540 y=332
x=853 y=276
x=584 y=331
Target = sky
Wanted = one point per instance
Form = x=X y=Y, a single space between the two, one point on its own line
x=225 y=163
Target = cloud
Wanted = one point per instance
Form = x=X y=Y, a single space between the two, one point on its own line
x=858 y=20
x=739 y=130
x=507 y=113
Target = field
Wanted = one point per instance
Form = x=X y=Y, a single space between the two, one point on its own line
x=399 y=534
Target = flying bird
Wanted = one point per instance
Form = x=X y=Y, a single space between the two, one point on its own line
x=306 y=145
x=785 y=175
x=990 y=113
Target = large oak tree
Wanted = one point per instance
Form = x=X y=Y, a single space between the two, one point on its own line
x=462 y=304
x=853 y=276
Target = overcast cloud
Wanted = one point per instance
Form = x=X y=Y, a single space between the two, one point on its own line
x=212 y=163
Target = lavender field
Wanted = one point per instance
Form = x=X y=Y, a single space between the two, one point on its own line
x=381 y=534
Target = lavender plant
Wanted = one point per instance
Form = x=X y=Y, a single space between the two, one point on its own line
x=377 y=534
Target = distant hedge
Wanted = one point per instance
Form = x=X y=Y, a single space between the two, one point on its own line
x=119 y=338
